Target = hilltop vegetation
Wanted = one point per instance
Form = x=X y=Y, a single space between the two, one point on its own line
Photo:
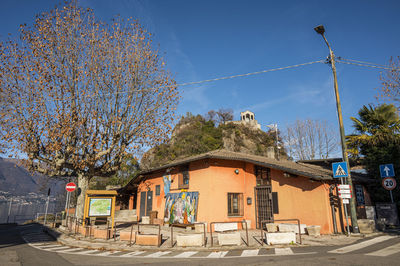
x=195 y=134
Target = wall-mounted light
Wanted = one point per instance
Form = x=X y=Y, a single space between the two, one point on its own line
x=237 y=171
x=248 y=201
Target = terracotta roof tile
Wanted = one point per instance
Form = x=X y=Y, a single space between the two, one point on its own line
x=307 y=170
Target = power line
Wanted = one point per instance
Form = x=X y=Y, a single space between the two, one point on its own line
x=250 y=74
x=191 y=83
x=358 y=61
x=364 y=64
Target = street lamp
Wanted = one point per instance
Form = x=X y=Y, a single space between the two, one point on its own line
x=321 y=30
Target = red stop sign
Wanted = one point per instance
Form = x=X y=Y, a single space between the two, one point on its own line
x=70 y=187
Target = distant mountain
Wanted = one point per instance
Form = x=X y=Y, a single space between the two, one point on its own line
x=16 y=180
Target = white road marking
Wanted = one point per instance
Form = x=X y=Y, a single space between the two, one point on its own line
x=250 y=253
x=50 y=246
x=218 y=254
x=87 y=251
x=57 y=248
x=283 y=251
x=361 y=245
x=186 y=254
x=70 y=250
x=157 y=254
x=386 y=251
x=132 y=254
x=105 y=253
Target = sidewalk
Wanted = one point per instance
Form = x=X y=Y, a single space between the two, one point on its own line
x=64 y=237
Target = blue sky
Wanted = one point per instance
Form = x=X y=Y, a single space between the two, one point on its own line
x=210 y=39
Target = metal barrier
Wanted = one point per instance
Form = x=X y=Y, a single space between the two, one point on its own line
x=115 y=229
x=280 y=220
x=244 y=221
x=16 y=217
x=180 y=225
x=159 y=229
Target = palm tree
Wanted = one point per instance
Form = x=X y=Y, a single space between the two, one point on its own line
x=375 y=126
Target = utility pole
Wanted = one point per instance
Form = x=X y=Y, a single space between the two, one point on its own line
x=275 y=126
x=321 y=30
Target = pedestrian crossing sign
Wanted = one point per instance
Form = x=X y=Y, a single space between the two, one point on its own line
x=340 y=170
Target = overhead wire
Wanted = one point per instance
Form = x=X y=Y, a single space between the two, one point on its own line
x=191 y=83
x=364 y=64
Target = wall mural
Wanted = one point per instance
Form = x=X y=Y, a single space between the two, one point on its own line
x=181 y=207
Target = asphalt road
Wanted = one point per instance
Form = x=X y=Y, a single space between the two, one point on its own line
x=43 y=250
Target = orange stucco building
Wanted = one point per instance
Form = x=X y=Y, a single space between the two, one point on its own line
x=223 y=186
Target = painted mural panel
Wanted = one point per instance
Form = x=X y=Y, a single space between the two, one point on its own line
x=181 y=207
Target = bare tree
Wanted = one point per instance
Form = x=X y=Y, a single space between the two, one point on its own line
x=77 y=94
x=390 y=79
x=310 y=139
x=225 y=115
x=210 y=116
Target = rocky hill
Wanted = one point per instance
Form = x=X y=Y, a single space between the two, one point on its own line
x=195 y=135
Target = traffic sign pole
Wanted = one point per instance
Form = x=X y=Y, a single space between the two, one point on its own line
x=345 y=211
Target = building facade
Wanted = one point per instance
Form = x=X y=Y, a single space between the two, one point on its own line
x=223 y=186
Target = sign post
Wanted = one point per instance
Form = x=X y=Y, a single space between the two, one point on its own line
x=70 y=187
x=9 y=210
x=47 y=206
x=340 y=171
x=388 y=182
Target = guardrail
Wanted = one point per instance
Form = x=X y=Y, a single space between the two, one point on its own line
x=180 y=225
x=157 y=225
x=242 y=222
x=120 y=223
x=280 y=220
x=18 y=216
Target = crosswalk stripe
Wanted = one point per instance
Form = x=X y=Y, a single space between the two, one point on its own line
x=361 y=244
x=115 y=252
x=283 y=251
x=249 y=253
x=218 y=254
x=132 y=254
x=87 y=251
x=49 y=246
x=386 y=251
x=157 y=254
x=72 y=249
x=186 y=254
x=57 y=248
x=105 y=253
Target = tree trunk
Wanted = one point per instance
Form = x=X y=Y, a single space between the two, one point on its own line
x=83 y=185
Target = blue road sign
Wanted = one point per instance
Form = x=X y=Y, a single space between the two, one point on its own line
x=340 y=170
x=386 y=170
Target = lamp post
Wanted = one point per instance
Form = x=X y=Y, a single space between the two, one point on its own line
x=321 y=30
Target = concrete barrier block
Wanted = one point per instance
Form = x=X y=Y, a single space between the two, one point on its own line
x=158 y=221
x=148 y=240
x=189 y=240
x=100 y=233
x=366 y=226
x=314 y=230
x=280 y=238
x=199 y=228
x=227 y=239
x=292 y=228
x=125 y=235
x=271 y=228
x=145 y=219
x=225 y=227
